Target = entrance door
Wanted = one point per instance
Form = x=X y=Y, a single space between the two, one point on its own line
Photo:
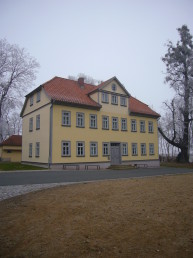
x=115 y=153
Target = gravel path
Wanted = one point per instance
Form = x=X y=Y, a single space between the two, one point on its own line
x=11 y=191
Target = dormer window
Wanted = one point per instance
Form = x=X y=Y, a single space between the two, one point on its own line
x=114 y=87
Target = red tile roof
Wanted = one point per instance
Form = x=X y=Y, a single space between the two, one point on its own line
x=138 y=107
x=69 y=91
x=13 y=140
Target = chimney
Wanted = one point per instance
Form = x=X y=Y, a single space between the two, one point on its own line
x=81 y=82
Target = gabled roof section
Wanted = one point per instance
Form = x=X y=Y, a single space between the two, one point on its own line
x=69 y=91
x=105 y=83
x=137 y=107
x=13 y=140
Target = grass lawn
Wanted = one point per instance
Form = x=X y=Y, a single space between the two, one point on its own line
x=10 y=166
x=177 y=165
x=148 y=217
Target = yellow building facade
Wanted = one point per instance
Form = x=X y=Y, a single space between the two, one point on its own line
x=71 y=122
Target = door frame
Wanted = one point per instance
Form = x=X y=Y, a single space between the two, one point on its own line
x=120 y=157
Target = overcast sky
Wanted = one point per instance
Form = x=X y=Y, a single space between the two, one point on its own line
x=101 y=38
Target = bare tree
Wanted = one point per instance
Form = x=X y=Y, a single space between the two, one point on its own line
x=17 y=72
x=179 y=75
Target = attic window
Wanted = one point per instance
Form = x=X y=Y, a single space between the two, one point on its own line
x=38 y=96
x=114 y=87
x=31 y=100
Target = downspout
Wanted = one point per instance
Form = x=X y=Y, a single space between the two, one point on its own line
x=50 y=135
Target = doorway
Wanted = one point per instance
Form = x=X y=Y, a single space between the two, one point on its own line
x=115 y=153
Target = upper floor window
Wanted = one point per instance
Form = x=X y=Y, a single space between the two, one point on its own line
x=105 y=148
x=123 y=101
x=80 y=119
x=142 y=126
x=134 y=149
x=124 y=124
x=105 y=122
x=93 y=149
x=115 y=125
x=105 y=97
x=143 y=149
x=80 y=149
x=66 y=149
x=31 y=100
x=133 y=125
x=66 y=118
x=114 y=99
x=37 y=122
x=37 y=149
x=38 y=97
x=31 y=124
x=93 y=121
x=151 y=149
x=150 y=127
x=124 y=149
x=114 y=87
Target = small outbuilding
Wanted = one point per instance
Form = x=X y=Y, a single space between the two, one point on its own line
x=11 y=149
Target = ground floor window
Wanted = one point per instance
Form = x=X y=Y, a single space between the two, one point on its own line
x=143 y=149
x=80 y=149
x=30 y=150
x=105 y=148
x=134 y=149
x=151 y=149
x=93 y=149
x=66 y=149
x=124 y=149
x=37 y=149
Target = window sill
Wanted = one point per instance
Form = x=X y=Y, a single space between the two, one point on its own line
x=66 y=125
x=93 y=127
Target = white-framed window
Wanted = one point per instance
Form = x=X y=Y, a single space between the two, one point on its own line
x=123 y=124
x=93 y=149
x=142 y=126
x=134 y=149
x=115 y=124
x=80 y=119
x=37 y=122
x=113 y=87
x=124 y=149
x=93 y=121
x=105 y=122
x=105 y=149
x=66 y=149
x=114 y=99
x=151 y=149
x=37 y=149
x=80 y=149
x=30 y=150
x=38 y=96
x=123 y=101
x=133 y=125
x=143 y=149
x=31 y=124
x=66 y=118
x=105 y=97
x=31 y=100
x=150 y=127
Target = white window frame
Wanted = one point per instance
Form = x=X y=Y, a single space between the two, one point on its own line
x=80 y=149
x=93 y=121
x=105 y=97
x=115 y=123
x=66 y=149
x=38 y=96
x=31 y=100
x=123 y=124
x=143 y=149
x=114 y=87
x=93 y=149
x=114 y=99
x=124 y=146
x=151 y=149
x=133 y=125
x=134 y=149
x=31 y=124
x=37 y=149
x=80 y=120
x=105 y=122
x=38 y=122
x=66 y=118
x=150 y=126
x=123 y=101
x=142 y=126
x=30 y=150
x=105 y=148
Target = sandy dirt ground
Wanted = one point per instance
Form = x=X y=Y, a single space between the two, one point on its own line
x=148 y=217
